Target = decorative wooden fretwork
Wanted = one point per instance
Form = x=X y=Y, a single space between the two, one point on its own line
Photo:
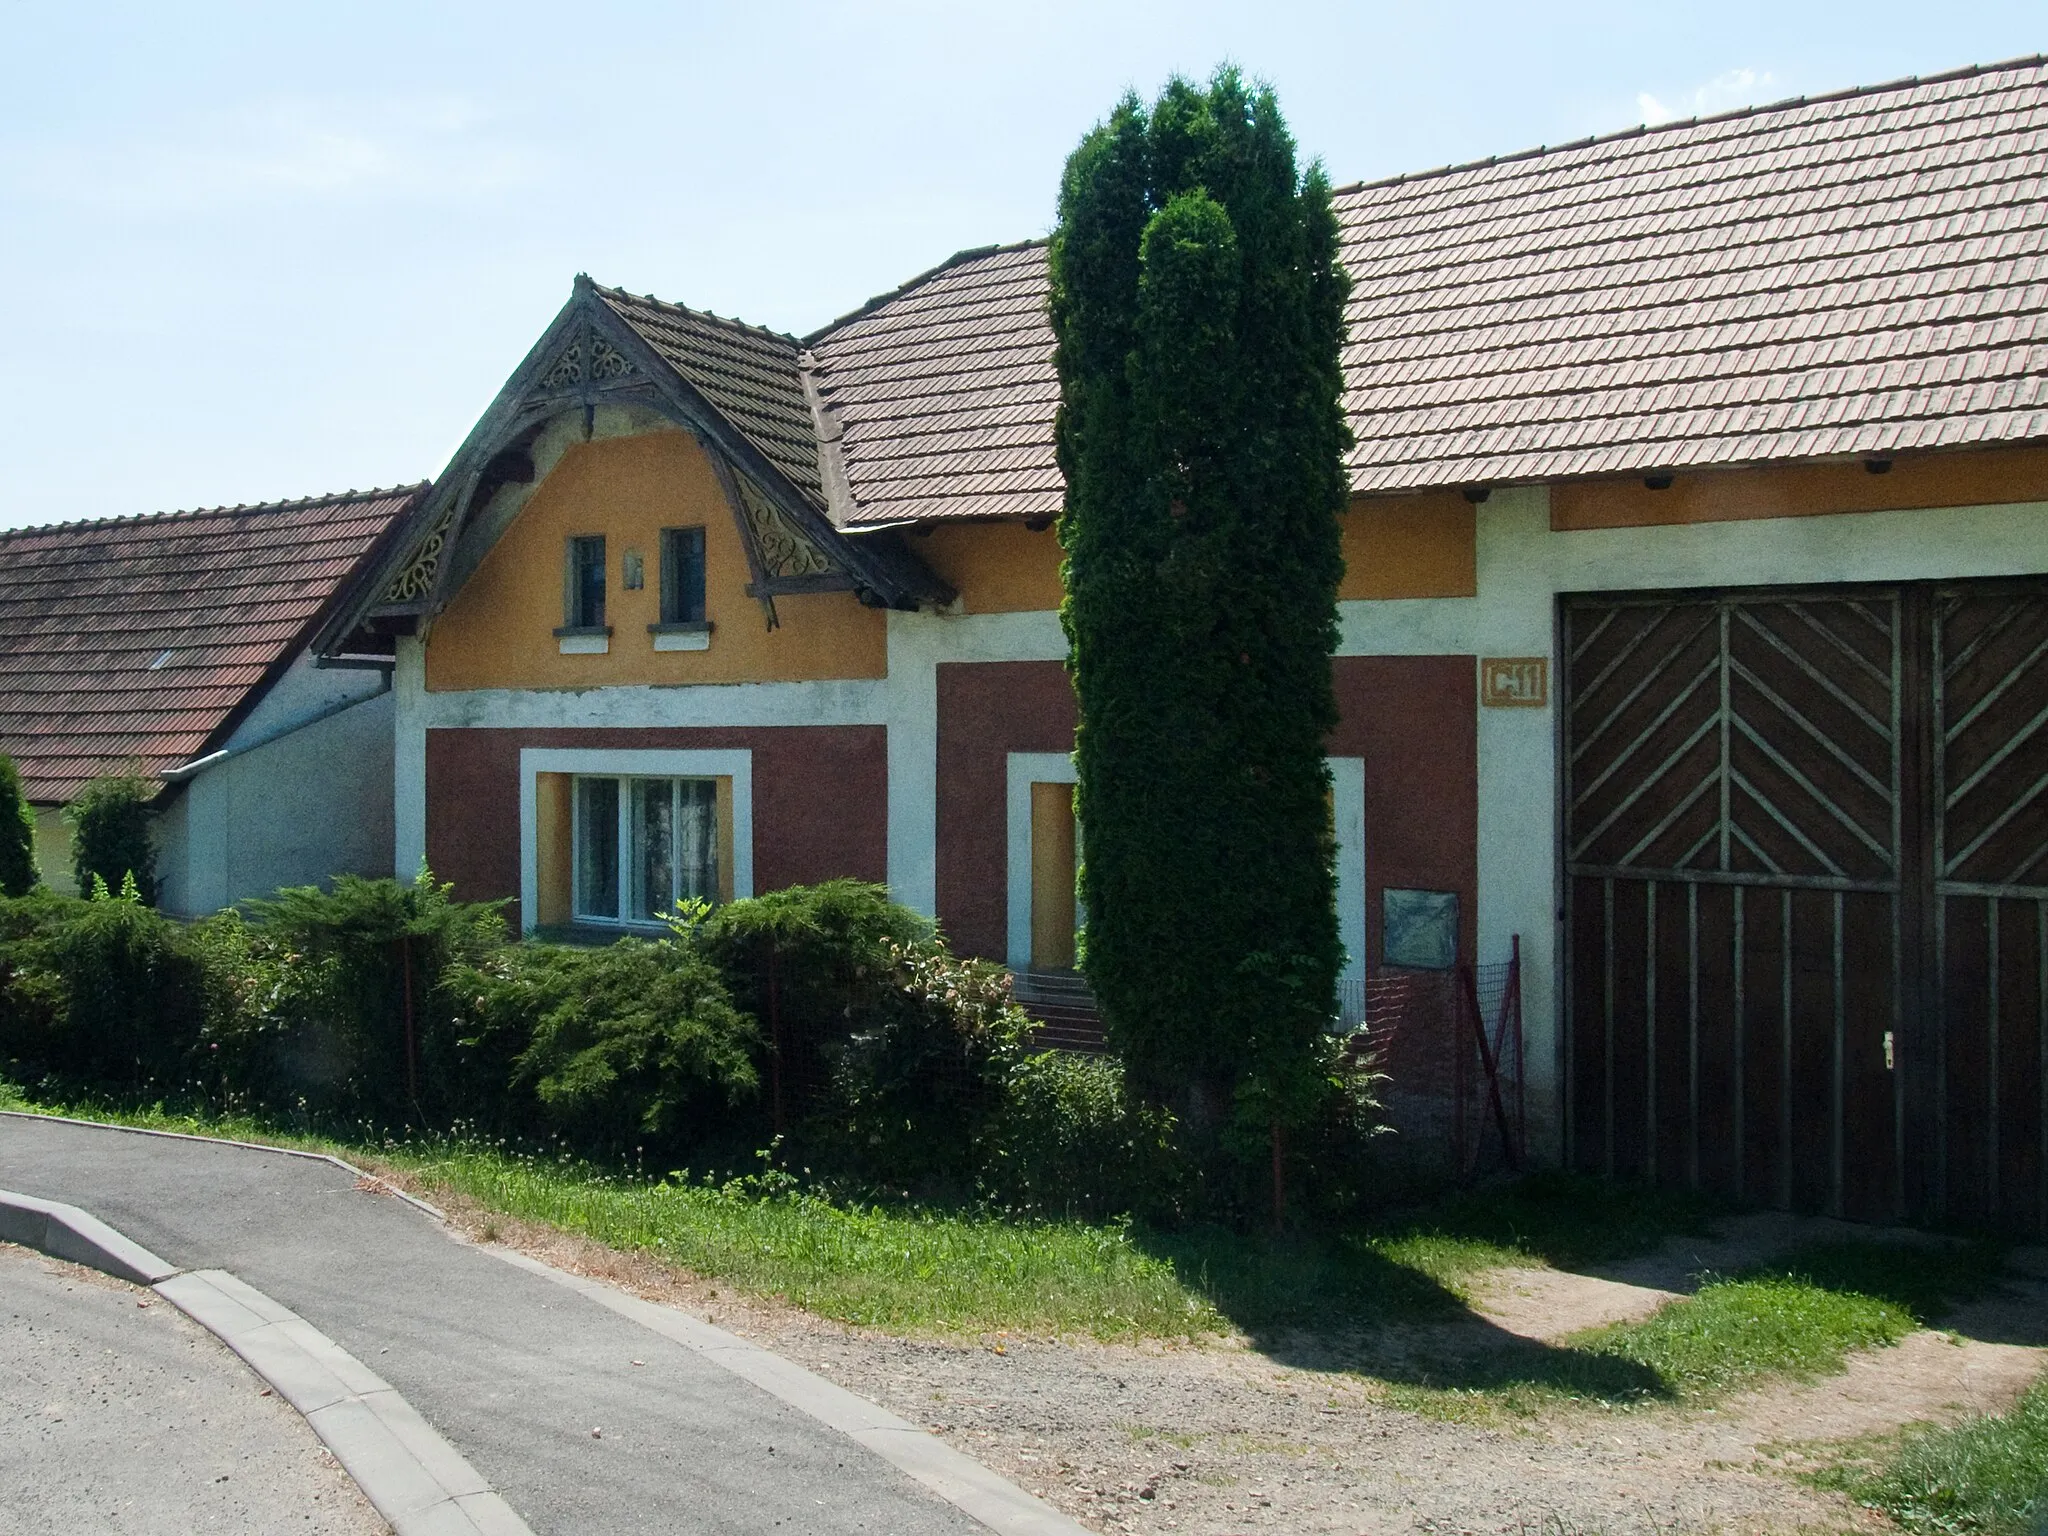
x=567 y=369
x=607 y=361
x=783 y=550
x=416 y=581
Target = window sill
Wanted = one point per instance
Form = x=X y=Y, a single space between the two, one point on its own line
x=580 y=640
x=681 y=637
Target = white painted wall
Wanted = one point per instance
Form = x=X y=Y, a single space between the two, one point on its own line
x=1523 y=567
x=305 y=693
x=296 y=810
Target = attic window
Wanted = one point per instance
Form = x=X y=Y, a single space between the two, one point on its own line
x=583 y=606
x=682 y=575
x=158 y=664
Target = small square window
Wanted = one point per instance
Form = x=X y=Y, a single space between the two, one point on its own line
x=584 y=588
x=682 y=575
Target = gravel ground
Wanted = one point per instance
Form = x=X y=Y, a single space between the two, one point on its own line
x=120 y=1414
x=1218 y=1437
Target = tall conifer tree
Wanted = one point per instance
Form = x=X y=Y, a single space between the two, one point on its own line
x=17 y=833
x=1198 y=303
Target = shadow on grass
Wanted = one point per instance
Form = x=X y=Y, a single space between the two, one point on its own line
x=1343 y=1303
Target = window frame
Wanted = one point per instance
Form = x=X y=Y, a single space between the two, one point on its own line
x=677 y=615
x=575 y=619
x=733 y=765
x=626 y=856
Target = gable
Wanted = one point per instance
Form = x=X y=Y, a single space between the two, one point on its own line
x=631 y=480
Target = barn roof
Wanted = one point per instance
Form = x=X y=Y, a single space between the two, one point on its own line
x=1858 y=274
x=133 y=643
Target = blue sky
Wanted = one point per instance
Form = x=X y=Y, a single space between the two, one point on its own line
x=251 y=252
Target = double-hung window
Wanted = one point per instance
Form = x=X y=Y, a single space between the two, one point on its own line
x=682 y=575
x=583 y=586
x=641 y=845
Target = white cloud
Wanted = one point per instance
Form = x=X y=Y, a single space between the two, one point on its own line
x=291 y=151
x=1723 y=93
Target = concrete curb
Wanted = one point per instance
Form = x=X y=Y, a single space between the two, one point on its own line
x=959 y=1479
x=65 y=1232
x=418 y=1482
x=223 y=1141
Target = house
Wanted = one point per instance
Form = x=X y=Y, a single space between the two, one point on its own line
x=1694 y=632
x=176 y=648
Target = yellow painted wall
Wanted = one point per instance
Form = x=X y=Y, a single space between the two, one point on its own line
x=1406 y=546
x=554 y=853
x=53 y=850
x=995 y=567
x=1987 y=477
x=1410 y=546
x=1052 y=877
x=499 y=630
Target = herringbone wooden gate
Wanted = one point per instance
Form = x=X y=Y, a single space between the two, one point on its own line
x=1807 y=896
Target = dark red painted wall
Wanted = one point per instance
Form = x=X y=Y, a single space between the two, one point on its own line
x=987 y=710
x=1412 y=718
x=821 y=799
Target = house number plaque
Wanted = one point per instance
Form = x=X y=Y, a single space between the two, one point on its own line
x=1514 y=682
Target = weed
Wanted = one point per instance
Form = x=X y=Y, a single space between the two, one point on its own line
x=1984 y=1477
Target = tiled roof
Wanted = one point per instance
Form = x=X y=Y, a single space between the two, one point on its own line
x=750 y=375
x=130 y=642
x=944 y=393
x=1865 y=273
x=1853 y=275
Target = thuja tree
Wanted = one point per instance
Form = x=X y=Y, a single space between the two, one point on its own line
x=1197 y=300
x=17 y=833
x=112 y=837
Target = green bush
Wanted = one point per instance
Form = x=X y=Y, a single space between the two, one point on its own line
x=1072 y=1140
x=105 y=994
x=112 y=836
x=17 y=833
x=918 y=1083
x=332 y=1000
x=617 y=1047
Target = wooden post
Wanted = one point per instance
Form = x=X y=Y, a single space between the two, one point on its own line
x=1279 y=1178
x=412 y=1079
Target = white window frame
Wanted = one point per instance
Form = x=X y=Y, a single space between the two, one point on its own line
x=627 y=859
x=1347 y=785
x=630 y=763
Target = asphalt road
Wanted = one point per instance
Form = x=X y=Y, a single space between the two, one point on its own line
x=119 y=1414
x=536 y=1385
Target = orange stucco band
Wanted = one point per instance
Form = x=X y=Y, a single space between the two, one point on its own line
x=1410 y=546
x=1987 y=477
x=1405 y=546
x=996 y=567
x=499 y=630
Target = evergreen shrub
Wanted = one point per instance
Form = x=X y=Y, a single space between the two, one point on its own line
x=103 y=994
x=334 y=1001
x=633 y=1046
x=17 y=833
x=113 y=836
x=1197 y=304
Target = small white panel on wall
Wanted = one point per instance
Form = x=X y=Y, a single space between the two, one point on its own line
x=684 y=640
x=585 y=645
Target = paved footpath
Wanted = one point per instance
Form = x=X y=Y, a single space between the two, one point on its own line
x=118 y=1413
x=513 y=1369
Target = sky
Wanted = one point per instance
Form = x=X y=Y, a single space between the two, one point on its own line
x=250 y=252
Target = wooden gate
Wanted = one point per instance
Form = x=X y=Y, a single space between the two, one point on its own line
x=1806 y=896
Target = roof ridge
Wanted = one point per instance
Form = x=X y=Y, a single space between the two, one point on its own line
x=731 y=322
x=958 y=258
x=336 y=499
x=1643 y=130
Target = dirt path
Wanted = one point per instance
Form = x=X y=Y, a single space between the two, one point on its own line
x=1219 y=1438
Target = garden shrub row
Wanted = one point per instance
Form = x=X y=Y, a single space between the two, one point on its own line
x=825 y=1014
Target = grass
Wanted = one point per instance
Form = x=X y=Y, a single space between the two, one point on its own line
x=1984 y=1477
x=1798 y=1317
